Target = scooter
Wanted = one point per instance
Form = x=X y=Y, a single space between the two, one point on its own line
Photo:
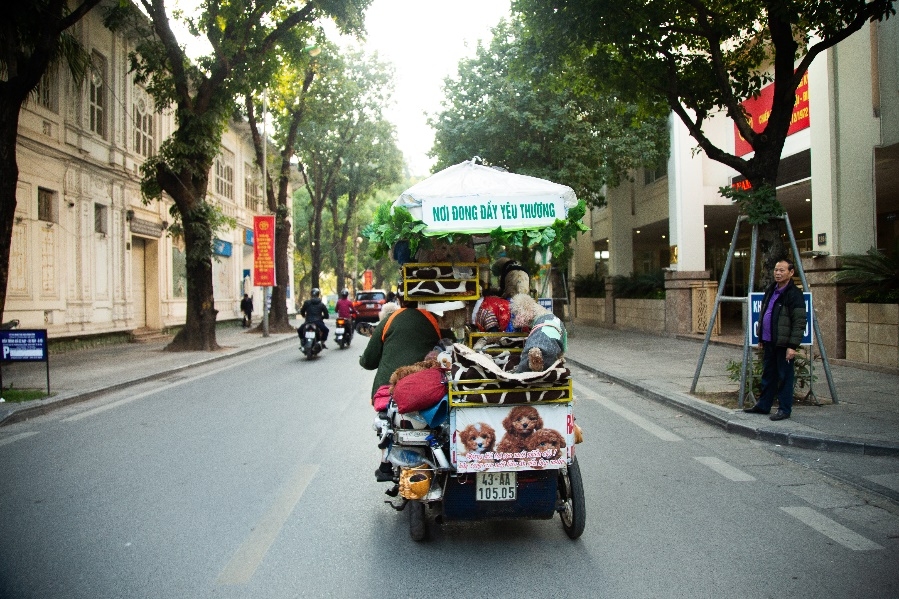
x=343 y=332
x=310 y=339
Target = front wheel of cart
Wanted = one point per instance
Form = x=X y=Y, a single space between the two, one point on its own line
x=418 y=526
x=571 y=498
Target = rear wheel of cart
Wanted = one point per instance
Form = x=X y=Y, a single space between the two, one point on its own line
x=571 y=496
x=418 y=526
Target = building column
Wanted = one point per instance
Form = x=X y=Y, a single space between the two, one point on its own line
x=828 y=302
x=844 y=132
x=621 y=235
x=686 y=208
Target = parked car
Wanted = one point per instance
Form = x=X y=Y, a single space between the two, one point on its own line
x=368 y=304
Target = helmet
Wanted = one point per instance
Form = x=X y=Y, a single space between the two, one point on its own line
x=316 y=292
x=345 y=293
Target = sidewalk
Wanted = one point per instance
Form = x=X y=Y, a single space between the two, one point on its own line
x=81 y=374
x=866 y=419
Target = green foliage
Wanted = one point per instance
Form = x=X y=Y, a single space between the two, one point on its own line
x=212 y=219
x=392 y=224
x=640 y=286
x=539 y=123
x=803 y=368
x=872 y=277
x=592 y=285
x=22 y=395
x=759 y=206
x=702 y=58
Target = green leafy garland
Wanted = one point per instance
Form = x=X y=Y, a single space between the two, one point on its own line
x=393 y=224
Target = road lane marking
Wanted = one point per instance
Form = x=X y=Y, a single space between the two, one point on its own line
x=833 y=530
x=172 y=385
x=249 y=555
x=725 y=469
x=640 y=421
x=16 y=437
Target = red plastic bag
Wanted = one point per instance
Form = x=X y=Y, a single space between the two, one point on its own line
x=419 y=390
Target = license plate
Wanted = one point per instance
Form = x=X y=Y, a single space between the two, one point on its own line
x=339 y=330
x=413 y=437
x=372 y=306
x=310 y=334
x=495 y=486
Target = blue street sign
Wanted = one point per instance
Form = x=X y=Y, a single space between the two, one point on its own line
x=24 y=345
x=755 y=317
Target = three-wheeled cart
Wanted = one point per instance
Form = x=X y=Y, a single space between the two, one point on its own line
x=501 y=444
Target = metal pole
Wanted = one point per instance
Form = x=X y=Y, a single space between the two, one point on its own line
x=747 y=359
x=708 y=333
x=816 y=327
x=265 y=196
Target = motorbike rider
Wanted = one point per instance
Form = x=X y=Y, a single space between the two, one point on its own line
x=345 y=306
x=315 y=311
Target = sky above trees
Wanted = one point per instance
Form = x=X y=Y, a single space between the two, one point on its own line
x=425 y=41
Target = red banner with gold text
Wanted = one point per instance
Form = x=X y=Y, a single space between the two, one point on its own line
x=264 y=251
x=759 y=109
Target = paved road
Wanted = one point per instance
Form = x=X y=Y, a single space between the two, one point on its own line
x=253 y=477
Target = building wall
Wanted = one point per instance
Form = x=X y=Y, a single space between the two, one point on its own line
x=87 y=255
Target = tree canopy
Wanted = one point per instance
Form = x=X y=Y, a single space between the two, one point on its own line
x=345 y=146
x=247 y=40
x=512 y=112
x=704 y=58
x=701 y=57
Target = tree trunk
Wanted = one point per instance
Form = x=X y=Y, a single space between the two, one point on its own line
x=771 y=248
x=188 y=192
x=278 y=321
x=9 y=177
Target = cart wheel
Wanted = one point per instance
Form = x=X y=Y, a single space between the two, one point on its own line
x=418 y=526
x=571 y=495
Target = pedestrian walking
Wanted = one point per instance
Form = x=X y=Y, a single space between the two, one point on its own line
x=246 y=306
x=782 y=326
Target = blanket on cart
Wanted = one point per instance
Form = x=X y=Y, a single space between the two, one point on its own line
x=476 y=378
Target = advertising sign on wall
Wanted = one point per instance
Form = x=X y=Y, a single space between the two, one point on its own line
x=264 y=251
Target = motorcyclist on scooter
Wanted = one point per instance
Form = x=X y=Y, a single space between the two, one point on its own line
x=345 y=306
x=315 y=311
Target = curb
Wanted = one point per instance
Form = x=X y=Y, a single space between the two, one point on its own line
x=686 y=404
x=48 y=405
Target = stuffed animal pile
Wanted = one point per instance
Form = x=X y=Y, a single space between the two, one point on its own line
x=547 y=338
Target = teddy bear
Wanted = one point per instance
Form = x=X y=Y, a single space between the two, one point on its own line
x=443 y=251
x=547 y=338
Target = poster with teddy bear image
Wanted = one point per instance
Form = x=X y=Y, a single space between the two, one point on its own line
x=519 y=437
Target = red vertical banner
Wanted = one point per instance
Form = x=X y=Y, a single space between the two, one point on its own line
x=367 y=280
x=264 y=251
